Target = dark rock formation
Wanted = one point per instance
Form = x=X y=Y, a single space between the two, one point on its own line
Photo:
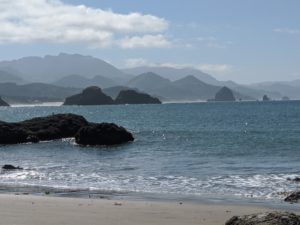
x=271 y=218
x=134 y=97
x=296 y=179
x=11 y=167
x=63 y=126
x=266 y=98
x=89 y=96
x=293 y=197
x=3 y=103
x=41 y=128
x=224 y=94
x=103 y=134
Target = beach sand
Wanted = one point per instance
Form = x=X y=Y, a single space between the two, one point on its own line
x=39 y=210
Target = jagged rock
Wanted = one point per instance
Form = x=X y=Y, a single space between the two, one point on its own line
x=266 y=98
x=89 y=96
x=41 y=128
x=293 y=197
x=11 y=167
x=3 y=103
x=270 y=218
x=134 y=97
x=224 y=94
x=103 y=134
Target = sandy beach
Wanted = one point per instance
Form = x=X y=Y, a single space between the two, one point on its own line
x=36 y=210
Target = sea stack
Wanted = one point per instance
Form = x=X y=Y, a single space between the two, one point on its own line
x=224 y=94
x=90 y=96
x=3 y=103
x=266 y=98
x=134 y=97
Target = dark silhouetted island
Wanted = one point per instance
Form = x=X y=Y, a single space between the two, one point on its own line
x=266 y=98
x=63 y=126
x=90 y=96
x=224 y=94
x=134 y=97
x=285 y=98
x=3 y=103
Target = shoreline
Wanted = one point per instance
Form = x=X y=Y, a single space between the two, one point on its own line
x=86 y=193
x=34 y=210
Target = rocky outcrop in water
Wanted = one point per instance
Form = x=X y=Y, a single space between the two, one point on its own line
x=293 y=197
x=62 y=126
x=270 y=218
x=89 y=96
x=134 y=97
x=3 y=103
x=41 y=129
x=296 y=179
x=11 y=167
x=224 y=94
x=266 y=98
x=103 y=134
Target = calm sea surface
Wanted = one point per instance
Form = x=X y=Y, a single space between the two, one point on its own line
x=243 y=151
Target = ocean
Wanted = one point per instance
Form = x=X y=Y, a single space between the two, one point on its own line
x=231 y=151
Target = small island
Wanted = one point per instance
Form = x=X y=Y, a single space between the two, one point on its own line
x=94 y=96
x=90 y=96
x=3 y=103
x=134 y=97
x=224 y=94
x=266 y=98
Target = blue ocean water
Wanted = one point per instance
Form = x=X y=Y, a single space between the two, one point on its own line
x=243 y=150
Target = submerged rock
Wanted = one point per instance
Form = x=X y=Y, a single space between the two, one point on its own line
x=293 y=197
x=134 y=97
x=3 y=103
x=224 y=94
x=103 y=134
x=89 y=96
x=11 y=167
x=41 y=129
x=270 y=218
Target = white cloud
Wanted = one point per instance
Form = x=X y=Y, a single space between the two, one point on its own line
x=146 y=41
x=219 y=69
x=287 y=30
x=24 y=21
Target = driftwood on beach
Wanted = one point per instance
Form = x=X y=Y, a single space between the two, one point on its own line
x=62 y=126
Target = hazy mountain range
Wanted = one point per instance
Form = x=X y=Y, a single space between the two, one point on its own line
x=56 y=77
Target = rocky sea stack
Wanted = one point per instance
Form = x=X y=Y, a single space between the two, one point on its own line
x=3 y=103
x=266 y=98
x=134 y=97
x=62 y=126
x=272 y=218
x=90 y=96
x=224 y=94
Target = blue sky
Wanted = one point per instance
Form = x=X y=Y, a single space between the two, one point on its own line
x=245 y=41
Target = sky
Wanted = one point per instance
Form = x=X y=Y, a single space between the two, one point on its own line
x=246 y=41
